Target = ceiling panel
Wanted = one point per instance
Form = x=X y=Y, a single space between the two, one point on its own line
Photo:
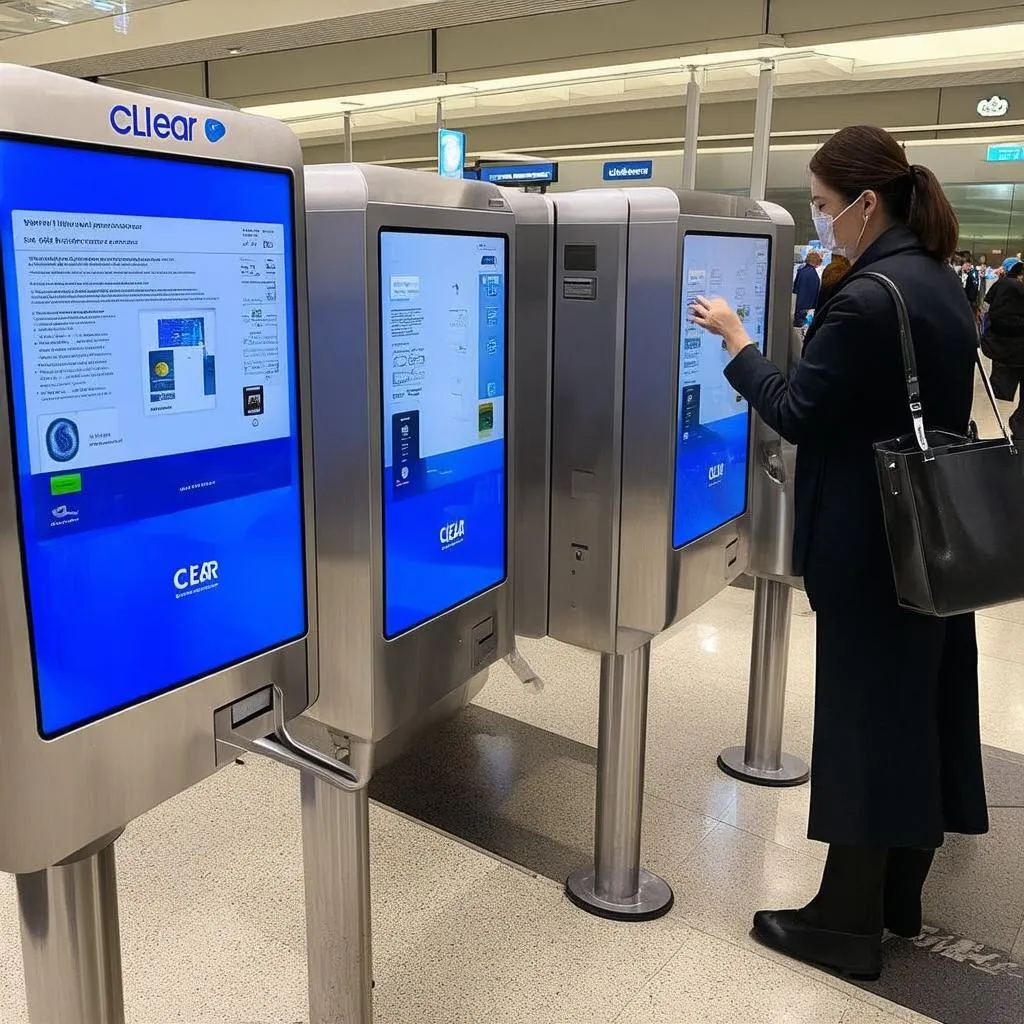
x=24 y=17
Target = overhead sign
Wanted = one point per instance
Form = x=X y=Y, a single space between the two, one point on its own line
x=1005 y=151
x=629 y=170
x=521 y=174
x=451 y=153
x=993 y=106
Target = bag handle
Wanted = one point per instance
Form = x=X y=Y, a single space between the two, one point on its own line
x=910 y=369
x=909 y=358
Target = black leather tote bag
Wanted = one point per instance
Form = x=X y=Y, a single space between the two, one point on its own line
x=954 y=505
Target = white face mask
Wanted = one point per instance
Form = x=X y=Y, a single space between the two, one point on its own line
x=825 y=226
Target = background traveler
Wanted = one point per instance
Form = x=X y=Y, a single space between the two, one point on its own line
x=806 y=286
x=1003 y=340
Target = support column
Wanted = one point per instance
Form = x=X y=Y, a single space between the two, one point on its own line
x=692 y=131
x=762 y=130
x=616 y=886
x=336 y=859
x=71 y=939
x=761 y=760
x=348 y=138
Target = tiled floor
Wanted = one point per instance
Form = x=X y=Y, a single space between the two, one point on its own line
x=211 y=883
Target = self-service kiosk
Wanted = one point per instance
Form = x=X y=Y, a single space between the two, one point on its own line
x=412 y=335
x=157 y=582
x=651 y=464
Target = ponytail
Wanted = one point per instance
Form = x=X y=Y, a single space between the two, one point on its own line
x=931 y=216
x=863 y=158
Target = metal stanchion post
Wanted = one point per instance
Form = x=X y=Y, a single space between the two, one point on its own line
x=692 y=131
x=616 y=886
x=348 y=137
x=71 y=940
x=336 y=857
x=761 y=760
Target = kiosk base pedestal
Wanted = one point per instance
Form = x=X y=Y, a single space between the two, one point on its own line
x=336 y=860
x=616 y=886
x=71 y=939
x=653 y=897
x=761 y=759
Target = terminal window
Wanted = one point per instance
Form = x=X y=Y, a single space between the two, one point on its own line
x=443 y=331
x=150 y=335
x=713 y=428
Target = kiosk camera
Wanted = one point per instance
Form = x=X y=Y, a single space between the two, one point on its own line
x=411 y=278
x=157 y=583
x=651 y=461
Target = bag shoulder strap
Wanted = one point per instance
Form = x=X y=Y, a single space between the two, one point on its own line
x=909 y=356
x=910 y=367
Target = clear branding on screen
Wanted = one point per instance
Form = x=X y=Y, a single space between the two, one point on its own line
x=712 y=443
x=443 y=339
x=151 y=345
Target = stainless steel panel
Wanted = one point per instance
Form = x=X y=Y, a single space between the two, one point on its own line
x=587 y=410
x=651 y=402
x=373 y=687
x=615 y=579
x=57 y=796
x=773 y=509
x=535 y=224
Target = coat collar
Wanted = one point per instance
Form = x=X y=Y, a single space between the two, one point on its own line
x=896 y=240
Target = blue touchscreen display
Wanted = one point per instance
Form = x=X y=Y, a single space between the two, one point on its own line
x=149 y=325
x=713 y=421
x=443 y=315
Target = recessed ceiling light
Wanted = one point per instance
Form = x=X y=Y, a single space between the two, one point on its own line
x=234 y=51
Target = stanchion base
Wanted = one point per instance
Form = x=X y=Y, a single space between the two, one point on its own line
x=793 y=772
x=653 y=898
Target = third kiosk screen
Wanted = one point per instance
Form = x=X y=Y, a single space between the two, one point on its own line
x=714 y=422
x=443 y=332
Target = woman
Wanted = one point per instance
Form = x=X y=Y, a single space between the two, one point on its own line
x=1003 y=339
x=897 y=751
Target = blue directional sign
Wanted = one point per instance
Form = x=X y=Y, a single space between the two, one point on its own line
x=629 y=170
x=451 y=153
x=521 y=174
x=1005 y=151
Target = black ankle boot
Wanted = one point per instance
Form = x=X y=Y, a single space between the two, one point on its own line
x=850 y=954
x=905 y=876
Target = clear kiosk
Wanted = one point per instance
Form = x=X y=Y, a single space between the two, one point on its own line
x=411 y=318
x=157 y=583
x=651 y=462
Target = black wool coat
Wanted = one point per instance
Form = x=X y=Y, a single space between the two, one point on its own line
x=897 y=750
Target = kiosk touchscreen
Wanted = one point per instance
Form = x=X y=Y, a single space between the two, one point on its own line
x=149 y=304
x=150 y=340
x=713 y=431
x=444 y=302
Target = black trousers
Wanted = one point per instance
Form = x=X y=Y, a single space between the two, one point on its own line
x=1006 y=380
x=897 y=744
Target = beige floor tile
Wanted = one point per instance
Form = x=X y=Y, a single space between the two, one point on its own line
x=1000 y=638
x=1002 y=703
x=1018 y=947
x=1006 y=612
x=710 y=981
x=779 y=815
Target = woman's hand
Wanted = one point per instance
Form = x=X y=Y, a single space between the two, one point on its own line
x=718 y=317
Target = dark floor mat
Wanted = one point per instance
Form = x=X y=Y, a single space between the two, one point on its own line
x=461 y=776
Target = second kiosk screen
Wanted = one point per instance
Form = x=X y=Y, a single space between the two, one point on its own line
x=443 y=321
x=713 y=421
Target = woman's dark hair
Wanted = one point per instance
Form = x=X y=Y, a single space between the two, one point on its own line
x=1017 y=270
x=862 y=158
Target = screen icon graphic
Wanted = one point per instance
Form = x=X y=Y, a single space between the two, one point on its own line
x=62 y=441
x=252 y=400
